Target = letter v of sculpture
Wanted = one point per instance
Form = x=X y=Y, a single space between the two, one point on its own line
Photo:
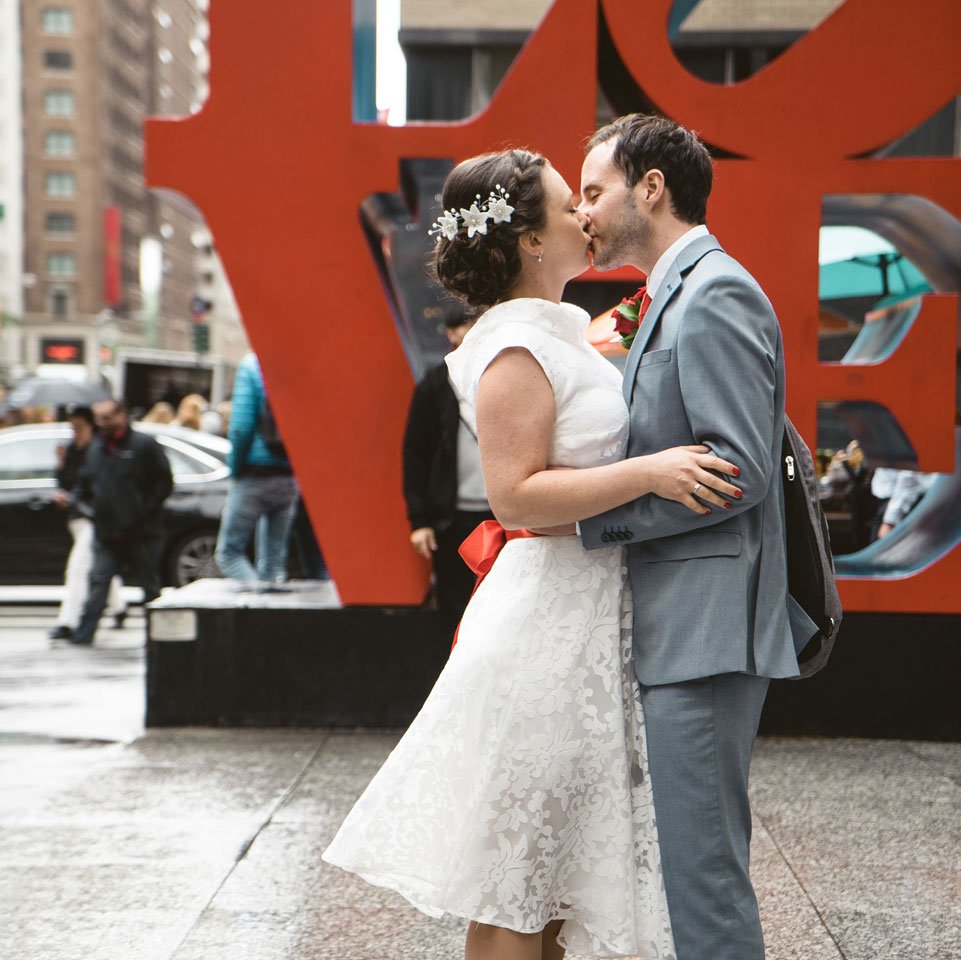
x=279 y=170
x=800 y=128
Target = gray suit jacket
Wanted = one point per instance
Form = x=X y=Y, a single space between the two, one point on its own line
x=707 y=366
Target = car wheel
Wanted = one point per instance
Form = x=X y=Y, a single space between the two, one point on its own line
x=192 y=558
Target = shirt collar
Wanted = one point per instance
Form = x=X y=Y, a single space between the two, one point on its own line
x=114 y=440
x=665 y=260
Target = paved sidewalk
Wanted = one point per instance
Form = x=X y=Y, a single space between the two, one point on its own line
x=195 y=844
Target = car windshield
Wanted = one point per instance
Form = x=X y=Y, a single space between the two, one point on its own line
x=30 y=458
x=181 y=463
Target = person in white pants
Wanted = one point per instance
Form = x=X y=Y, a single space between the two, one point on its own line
x=80 y=560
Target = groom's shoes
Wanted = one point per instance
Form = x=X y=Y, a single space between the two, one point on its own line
x=61 y=632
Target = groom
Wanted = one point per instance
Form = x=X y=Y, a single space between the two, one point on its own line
x=710 y=590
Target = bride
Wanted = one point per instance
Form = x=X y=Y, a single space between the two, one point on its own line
x=519 y=796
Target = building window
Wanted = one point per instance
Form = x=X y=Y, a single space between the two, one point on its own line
x=57 y=20
x=61 y=184
x=60 y=303
x=58 y=103
x=59 y=143
x=61 y=223
x=61 y=264
x=58 y=60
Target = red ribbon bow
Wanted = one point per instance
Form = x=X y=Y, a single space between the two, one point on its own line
x=480 y=550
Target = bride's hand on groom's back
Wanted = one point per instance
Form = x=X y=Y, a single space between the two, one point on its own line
x=692 y=477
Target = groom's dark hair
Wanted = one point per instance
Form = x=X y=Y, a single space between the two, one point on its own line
x=647 y=142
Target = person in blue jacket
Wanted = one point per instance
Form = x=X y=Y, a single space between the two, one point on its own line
x=263 y=491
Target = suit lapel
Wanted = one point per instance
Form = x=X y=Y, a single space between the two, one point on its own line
x=667 y=289
x=686 y=260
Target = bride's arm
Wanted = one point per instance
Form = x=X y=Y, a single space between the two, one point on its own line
x=515 y=422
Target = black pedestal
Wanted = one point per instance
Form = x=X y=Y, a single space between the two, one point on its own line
x=222 y=656
x=890 y=676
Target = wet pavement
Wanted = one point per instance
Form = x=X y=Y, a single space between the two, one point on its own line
x=189 y=844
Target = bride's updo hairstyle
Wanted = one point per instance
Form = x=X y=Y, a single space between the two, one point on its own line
x=483 y=268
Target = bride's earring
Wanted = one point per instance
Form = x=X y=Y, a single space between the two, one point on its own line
x=540 y=258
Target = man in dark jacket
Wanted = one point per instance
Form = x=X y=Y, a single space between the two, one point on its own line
x=71 y=459
x=443 y=483
x=126 y=478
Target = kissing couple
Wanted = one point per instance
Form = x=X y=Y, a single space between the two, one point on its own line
x=577 y=779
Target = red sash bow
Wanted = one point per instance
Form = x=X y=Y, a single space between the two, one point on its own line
x=480 y=550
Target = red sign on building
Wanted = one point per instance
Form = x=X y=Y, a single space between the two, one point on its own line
x=112 y=256
x=62 y=351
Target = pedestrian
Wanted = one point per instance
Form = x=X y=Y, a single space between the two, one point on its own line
x=126 y=479
x=263 y=491
x=223 y=409
x=906 y=492
x=443 y=480
x=212 y=421
x=303 y=543
x=161 y=412
x=71 y=459
x=189 y=411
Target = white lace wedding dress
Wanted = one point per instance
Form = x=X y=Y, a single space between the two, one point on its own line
x=519 y=794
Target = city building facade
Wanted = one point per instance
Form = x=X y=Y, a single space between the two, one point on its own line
x=11 y=190
x=110 y=266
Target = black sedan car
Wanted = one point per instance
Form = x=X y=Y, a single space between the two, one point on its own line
x=34 y=540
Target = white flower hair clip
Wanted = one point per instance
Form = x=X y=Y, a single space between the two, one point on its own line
x=495 y=208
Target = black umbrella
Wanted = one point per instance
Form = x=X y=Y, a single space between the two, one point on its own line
x=47 y=392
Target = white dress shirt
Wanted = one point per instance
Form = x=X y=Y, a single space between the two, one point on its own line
x=909 y=487
x=883 y=481
x=665 y=260
x=471 y=493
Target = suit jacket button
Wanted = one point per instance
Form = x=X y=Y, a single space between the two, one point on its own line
x=628 y=535
x=605 y=538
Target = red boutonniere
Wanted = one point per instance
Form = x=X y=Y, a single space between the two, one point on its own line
x=627 y=317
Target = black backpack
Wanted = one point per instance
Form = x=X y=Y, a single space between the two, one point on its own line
x=270 y=432
x=811 y=581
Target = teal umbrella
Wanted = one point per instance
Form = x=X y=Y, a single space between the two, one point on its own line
x=855 y=262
